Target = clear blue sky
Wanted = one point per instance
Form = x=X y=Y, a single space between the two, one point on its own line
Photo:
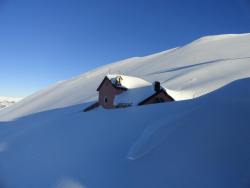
x=44 y=41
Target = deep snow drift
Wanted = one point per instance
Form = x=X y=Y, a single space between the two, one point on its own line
x=195 y=143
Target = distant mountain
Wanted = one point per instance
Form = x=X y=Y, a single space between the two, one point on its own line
x=8 y=101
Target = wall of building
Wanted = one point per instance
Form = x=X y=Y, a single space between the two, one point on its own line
x=109 y=92
x=156 y=99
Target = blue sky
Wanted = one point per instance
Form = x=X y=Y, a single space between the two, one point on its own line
x=44 y=41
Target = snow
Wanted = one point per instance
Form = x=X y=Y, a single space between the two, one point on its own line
x=137 y=89
x=8 y=101
x=129 y=82
x=185 y=147
x=193 y=70
x=47 y=141
x=11 y=99
x=234 y=95
x=134 y=96
x=69 y=183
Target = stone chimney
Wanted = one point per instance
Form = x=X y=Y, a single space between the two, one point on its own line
x=157 y=86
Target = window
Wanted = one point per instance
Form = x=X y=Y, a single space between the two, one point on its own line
x=159 y=100
x=105 y=99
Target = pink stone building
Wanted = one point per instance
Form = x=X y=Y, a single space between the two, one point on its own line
x=119 y=91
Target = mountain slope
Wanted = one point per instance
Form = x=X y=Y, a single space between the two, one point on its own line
x=194 y=69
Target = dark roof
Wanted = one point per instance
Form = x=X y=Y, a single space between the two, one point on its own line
x=155 y=94
x=106 y=78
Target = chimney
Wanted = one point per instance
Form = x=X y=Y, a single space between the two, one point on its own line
x=157 y=86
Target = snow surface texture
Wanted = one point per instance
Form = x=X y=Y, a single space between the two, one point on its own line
x=134 y=96
x=129 y=82
x=191 y=143
x=197 y=143
x=194 y=70
x=8 y=101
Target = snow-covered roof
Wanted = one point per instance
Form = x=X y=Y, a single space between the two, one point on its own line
x=179 y=95
x=135 y=95
x=137 y=89
x=129 y=82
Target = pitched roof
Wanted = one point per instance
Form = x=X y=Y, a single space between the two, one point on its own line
x=140 y=95
x=128 y=82
x=137 y=89
x=135 y=95
x=115 y=86
x=155 y=94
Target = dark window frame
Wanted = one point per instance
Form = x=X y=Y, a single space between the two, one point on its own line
x=105 y=99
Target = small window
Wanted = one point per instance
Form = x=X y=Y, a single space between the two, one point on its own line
x=105 y=99
x=159 y=100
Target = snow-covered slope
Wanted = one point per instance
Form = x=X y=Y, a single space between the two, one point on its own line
x=8 y=101
x=194 y=69
x=190 y=143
